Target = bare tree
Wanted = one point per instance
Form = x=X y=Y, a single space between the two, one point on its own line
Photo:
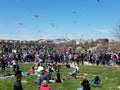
x=117 y=32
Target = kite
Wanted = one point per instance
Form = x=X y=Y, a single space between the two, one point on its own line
x=10 y=32
x=82 y=35
x=36 y=16
x=52 y=24
x=74 y=12
x=98 y=0
x=20 y=23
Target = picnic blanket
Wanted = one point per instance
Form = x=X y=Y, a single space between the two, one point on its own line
x=28 y=74
x=7 y=76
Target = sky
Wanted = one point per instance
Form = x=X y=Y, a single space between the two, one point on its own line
x=52 y=19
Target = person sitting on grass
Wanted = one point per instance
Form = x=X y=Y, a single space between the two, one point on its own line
x=40 y=78
x=58 y=78
x=96 y=80
x=44 y=86
x=74 y=73
x=48 y=77
x=41 y=68
x=67 y=65
x=85 y=84
x=31 y=71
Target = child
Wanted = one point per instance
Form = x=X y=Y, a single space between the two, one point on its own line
x=31 y=71
x=44 y=86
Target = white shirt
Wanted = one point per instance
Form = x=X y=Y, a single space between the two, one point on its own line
x=40 y=68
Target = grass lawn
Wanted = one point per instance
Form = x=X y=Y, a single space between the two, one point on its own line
x=110 y=77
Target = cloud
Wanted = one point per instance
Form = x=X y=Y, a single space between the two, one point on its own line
x=103 y=31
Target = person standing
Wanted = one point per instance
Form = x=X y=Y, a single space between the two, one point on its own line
x=17 y=84
x=18 y=71
x=2 y=64
x=14 y=65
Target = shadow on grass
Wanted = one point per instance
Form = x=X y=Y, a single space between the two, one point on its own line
x=97 y=86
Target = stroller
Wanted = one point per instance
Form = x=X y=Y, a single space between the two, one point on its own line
x=95 y=81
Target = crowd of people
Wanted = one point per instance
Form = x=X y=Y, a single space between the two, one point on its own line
x=10 y=54
x=52 y=56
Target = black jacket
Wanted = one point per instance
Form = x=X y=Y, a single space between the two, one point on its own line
x=17 y=85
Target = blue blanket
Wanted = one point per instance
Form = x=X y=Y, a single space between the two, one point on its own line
x=28 y=74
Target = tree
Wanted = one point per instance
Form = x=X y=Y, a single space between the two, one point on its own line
x=117 y=32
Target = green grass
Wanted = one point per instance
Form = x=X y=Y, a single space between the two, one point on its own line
x=110 y=77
